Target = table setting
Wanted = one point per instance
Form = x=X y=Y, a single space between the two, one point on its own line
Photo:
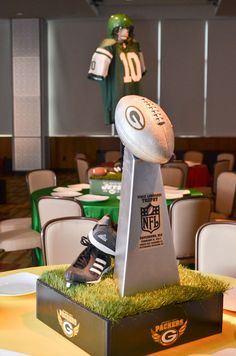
x=96 y=205
x=19 y=313
x=18 y=284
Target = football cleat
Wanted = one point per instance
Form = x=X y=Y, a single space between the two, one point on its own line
x=103 y=236
x=89 y=266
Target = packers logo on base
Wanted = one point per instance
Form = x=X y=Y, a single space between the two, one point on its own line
x=168 y=332
x=68 y=323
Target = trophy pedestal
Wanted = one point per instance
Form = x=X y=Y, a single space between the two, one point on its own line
x=145 y=258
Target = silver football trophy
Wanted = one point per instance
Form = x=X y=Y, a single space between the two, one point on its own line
x=144 y=258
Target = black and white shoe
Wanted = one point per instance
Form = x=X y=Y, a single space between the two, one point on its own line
x=89 y=266
x=103 y=236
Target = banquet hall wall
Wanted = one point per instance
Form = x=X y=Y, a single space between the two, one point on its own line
x=62 y=150
x=190 y=71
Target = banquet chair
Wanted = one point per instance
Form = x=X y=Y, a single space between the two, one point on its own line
x=193 y=156
x=219 y=167
x=80 y=156
x=186 y=216
x=15 y=223
x=19 y=239
x=90 y=172
x=50 y=207
x=40 y=178
x=112 y=156
x=172 y=176
x=61 y=239
x=225 y=196
x=183 y=166
x=82 y=170
x=228 y=157
x=215 y=248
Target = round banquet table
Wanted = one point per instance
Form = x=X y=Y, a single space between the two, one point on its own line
x=21 y=331
x=91 y=209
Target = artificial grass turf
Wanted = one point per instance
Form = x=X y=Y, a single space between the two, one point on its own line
x=104 y=299
x=109 y=176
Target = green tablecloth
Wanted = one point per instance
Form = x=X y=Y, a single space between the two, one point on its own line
x=34 y=205
x=91 y=209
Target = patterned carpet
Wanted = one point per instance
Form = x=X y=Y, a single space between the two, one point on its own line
x=17 y=205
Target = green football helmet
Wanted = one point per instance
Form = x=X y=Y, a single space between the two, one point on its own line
x=117 y=21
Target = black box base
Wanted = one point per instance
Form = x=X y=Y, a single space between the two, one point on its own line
x=141 y=334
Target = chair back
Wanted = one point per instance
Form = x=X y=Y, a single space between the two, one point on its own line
x=183 y=166
x=80 y=156
x=57 y=207
x=90 y=173
x=61 y=239
x=186 y=216
x=215 y=248
x=225 y=193
x=82 y=170
x=40 y=178
x=219 y=167
x=228 y=157
x=193 y=156
x=112 y=156
x=173 y=176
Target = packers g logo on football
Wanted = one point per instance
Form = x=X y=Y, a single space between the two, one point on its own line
x=135 y=118
x=168 y=332
x=68 y=323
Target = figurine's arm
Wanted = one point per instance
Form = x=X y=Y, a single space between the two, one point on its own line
x=100 y=63
x=101 y=60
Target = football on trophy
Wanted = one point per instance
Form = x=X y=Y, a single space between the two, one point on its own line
x=145 y=129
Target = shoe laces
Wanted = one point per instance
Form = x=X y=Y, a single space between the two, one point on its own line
x=84 y=256
x=93 y=250
x=85 y=241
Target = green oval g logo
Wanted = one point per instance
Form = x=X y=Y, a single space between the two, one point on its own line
x=135 y=118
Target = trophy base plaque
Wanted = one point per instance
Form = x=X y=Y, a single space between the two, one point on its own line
x=137 y=335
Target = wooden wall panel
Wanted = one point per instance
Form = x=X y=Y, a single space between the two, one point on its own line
x=5 y=147
x=226 y=144
x=62 y=150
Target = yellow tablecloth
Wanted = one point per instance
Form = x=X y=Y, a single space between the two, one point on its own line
x=21 y=331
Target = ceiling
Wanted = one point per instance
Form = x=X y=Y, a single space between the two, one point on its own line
x=45 y=8
x=145 y=9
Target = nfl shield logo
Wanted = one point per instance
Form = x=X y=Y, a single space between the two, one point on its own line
x=150 y=218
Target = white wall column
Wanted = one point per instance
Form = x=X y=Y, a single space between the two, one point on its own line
x=28 y=140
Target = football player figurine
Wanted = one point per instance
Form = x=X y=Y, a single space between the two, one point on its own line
x=118 y=64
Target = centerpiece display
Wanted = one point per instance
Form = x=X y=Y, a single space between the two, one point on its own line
x=108 y=183
x=150 y=304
